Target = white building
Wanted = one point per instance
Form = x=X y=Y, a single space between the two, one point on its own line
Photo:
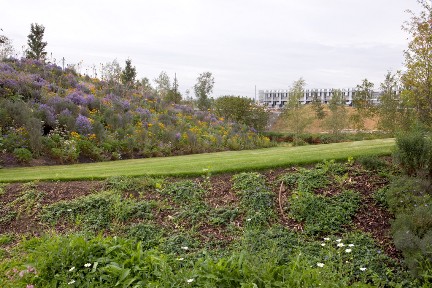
x=278 y=98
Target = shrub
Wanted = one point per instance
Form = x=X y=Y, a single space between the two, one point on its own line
x=23 y=155
x=414 y=153
x=373 y=163
x=405 y=193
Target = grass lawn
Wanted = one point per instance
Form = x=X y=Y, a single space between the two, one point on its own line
x=189 y=165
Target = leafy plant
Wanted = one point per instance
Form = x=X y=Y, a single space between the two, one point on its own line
x=23 y=155
x=321 y=214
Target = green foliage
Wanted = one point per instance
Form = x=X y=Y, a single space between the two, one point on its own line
x=405 y=193
x=203 y=88
x=372 y=163
x=256 y=198
x=242 y=110
x=97 y=211
x=36 y=45
x=306 y=180
x=411 y=201
x=27 y=203
x=414 y=153
x=6 y=239
x=128 y=74
x=392 y=114
x=149 y=235
x=23 y=155
x=294 y=112
x=337 y=119
x=321 y=214
x=183 y=191
x=417 y=78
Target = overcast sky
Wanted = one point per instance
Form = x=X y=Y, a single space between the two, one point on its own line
x=267 y=43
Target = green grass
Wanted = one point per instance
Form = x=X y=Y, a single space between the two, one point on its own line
x=192 y=165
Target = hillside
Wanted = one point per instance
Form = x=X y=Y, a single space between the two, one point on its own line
x=59 y=116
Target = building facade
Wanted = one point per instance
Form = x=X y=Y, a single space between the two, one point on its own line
x=278 y=98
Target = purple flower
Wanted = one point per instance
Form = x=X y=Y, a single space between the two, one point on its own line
x=38 y=81
x=177 y=136
x=6 y=68
x=77 y=97
x=66 y=112
x=83 y=125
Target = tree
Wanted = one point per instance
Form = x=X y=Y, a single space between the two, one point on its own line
x=418 y=61
x=294 y=112
x=145 y=86
x=163 y=84
x=242 y=110
x=6 y=47
x=362 y=101
x=337 y=118
x=128 y=74
x=173 y=95
x=203 y=88
x=36 y=45
x=111 y=72
x=318 y=106
x=390 y=109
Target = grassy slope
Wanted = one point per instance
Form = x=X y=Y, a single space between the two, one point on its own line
x=230 y=161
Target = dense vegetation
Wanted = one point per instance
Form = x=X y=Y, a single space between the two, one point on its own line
x=68 y=117
x=242 y=230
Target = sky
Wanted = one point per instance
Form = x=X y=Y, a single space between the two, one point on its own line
x=267 y=44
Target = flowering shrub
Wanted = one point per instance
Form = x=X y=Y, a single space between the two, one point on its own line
x=126 y=126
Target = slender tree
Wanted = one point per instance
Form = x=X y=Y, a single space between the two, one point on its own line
x=337 y=119
x=36 y=46
x=6 y=47
x=128 y=74
x=294 y=113
x=163 y=84
x=203 y=88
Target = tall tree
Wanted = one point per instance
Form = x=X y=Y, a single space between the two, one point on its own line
x=163 y=84
x=203 y=88
x=390 y=109
x=111 y=72
x=318 y=106
x=242 y=110
x=418 y=61
x=128 y=74
x=337 y=119
x=36 y=45
x=294 y=113
x=362 y=101
x=6 y=47
x=173 y=95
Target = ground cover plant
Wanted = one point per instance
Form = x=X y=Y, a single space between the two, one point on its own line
x=248 y=229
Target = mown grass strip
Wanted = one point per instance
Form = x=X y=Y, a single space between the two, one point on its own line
x=192 y=165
